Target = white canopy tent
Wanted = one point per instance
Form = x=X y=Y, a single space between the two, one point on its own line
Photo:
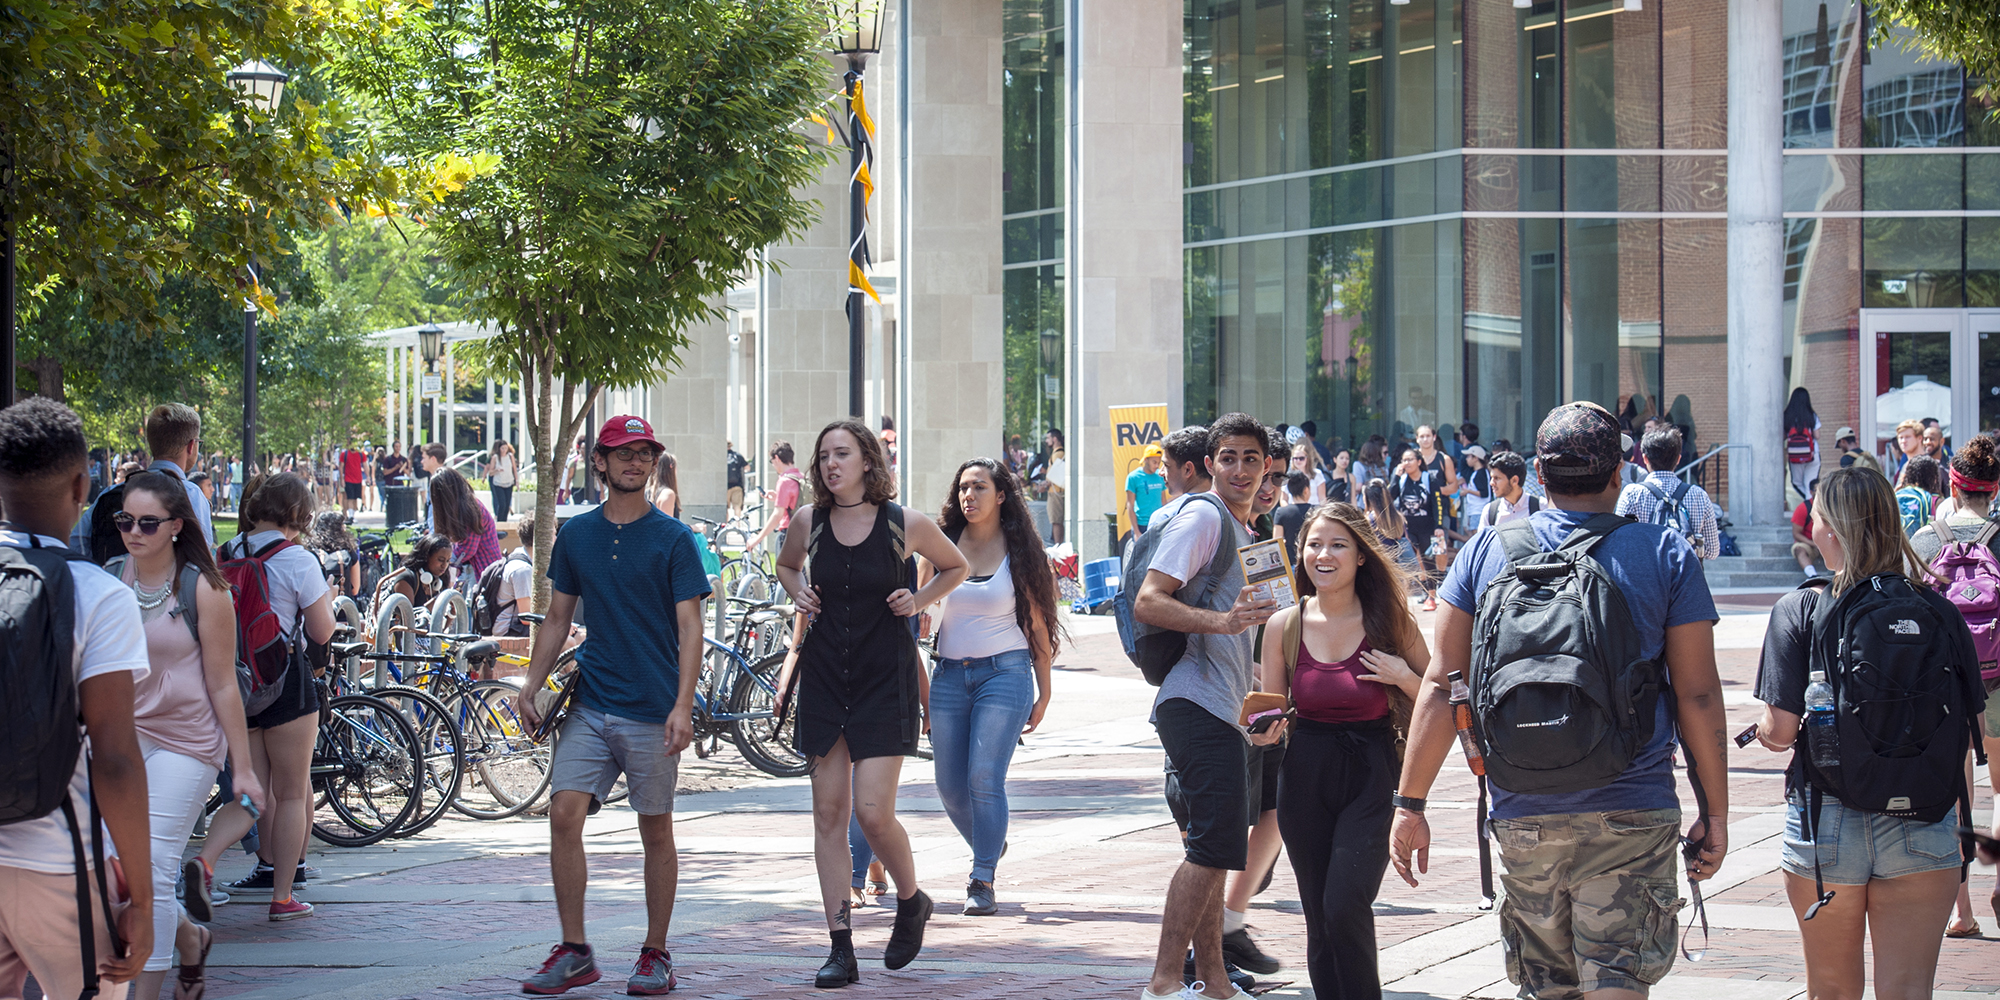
x=1919 y=399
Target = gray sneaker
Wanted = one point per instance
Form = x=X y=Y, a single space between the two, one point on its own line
x=566 y=968
x=653 y=975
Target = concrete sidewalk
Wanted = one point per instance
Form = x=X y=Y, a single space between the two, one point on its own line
x=465 y=910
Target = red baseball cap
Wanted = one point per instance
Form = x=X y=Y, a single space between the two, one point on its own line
x=622 y=430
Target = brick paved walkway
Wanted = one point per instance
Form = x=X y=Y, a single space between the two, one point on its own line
x=465 y=909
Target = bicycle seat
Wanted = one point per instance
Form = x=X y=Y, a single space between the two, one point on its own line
x=457 y=636
x=481 y=649
x=343 y=650
x=532 y=618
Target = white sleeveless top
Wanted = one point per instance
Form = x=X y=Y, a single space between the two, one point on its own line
x=978 y=619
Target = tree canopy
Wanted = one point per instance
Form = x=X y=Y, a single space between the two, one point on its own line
x=1961 y=31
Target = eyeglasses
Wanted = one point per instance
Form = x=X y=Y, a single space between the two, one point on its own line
x=633 y=454
x=148 y=525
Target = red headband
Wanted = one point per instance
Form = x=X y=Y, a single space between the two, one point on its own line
x=1971 y=485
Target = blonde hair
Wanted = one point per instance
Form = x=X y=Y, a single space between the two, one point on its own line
x=1910 y=425
x=1858 y=507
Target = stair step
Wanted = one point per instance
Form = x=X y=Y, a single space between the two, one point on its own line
x=1772 y=581
x=1749 y=564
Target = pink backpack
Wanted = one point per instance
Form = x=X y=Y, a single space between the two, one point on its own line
x=1971 y=580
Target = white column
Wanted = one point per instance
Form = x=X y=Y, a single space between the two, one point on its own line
x=1756 y=260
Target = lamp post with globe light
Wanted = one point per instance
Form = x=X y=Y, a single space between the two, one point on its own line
x=430 y=344
x=262 y=85
x=858 y=24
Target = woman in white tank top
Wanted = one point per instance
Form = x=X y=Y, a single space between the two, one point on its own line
x=997 y=636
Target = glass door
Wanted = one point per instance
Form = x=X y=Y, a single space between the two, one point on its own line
x=1985 y=337
x=1916 y=364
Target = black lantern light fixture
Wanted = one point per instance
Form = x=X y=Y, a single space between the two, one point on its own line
x=261 y=83
x=262 y=86
x=857 y=31
x=430 y=343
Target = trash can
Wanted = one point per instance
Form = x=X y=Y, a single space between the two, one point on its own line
x=1111 y=532
x=399 y=504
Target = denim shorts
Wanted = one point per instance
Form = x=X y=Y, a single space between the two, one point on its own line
x=593 y=749
x=1856 y=847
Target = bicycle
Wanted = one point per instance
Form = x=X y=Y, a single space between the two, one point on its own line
x=751 y=688
x=439 y=735
x=365 y=768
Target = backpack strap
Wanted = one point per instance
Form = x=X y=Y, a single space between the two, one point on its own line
x=1518 y=541
x=1289 y=641
x=1659 y=495
x=1944 y=533
x=1681 y=492
x=1224 y=552
x=1586 y=535
x=1986 y=534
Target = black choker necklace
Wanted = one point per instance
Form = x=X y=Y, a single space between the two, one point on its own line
x=856 y=503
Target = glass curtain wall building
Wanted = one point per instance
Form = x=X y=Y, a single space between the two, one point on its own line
x=1462 y=211
x=1033 y=186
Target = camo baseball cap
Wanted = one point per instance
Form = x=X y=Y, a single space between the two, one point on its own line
x=1578 y=440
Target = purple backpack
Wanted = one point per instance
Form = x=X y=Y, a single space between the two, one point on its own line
x=1971 y=581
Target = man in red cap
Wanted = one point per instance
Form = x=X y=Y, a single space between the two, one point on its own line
x=640 y=575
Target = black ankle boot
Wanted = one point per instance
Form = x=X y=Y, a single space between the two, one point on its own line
x=908 y=937
x=840 y=969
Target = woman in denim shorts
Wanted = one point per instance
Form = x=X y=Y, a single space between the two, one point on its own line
x=997 y=636
x=1895 y=878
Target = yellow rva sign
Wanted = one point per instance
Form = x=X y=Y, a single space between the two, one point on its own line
x=1132 y=429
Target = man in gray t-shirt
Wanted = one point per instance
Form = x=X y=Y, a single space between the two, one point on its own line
x=1197 y=707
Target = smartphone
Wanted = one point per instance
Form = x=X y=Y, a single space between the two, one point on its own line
x=249 y=807
x=1263 y=721
x=1744 y=738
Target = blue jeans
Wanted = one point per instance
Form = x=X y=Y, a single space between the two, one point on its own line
x=978 y=707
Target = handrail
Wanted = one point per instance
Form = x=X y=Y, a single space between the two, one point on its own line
x=1683 y=470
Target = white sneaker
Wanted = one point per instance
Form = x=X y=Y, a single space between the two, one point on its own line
x=1192 y=991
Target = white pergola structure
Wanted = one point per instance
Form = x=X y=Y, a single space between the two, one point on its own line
x=402 y=402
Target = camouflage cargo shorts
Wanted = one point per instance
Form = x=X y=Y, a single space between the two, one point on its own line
x=1590 y=900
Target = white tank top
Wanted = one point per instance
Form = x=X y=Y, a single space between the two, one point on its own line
x=978 y=619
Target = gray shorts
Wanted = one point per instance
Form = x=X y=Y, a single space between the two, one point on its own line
x=593 y=749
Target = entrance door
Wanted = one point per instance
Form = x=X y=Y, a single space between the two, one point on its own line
x=1928 y=363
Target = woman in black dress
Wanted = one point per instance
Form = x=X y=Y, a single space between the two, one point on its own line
x=859 y=687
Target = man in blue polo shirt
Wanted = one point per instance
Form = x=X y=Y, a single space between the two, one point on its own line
x=639 y=574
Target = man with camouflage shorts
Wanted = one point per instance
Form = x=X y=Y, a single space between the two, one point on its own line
x=1589 y=877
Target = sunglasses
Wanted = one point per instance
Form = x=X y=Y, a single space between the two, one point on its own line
x=148 y=525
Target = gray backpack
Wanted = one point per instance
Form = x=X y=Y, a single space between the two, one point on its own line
x=1152 y=649
x=1561 y=699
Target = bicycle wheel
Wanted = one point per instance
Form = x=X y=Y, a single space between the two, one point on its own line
x=762 y=741
x=367 y=764
x=444 y=753
x=509 y=768
x=740 y=577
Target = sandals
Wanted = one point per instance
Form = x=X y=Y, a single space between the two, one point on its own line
x=877 y=888
x=1970 y=931
x=193 y=985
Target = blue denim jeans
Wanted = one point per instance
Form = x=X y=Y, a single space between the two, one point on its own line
x=978 y=707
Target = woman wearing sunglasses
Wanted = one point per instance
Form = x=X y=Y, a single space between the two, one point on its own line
x=187 y=710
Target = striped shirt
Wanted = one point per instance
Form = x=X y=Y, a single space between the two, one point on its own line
x=1638 y=503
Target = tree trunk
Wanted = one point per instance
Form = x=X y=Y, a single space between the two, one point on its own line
x=48 y=375
x=539 y=379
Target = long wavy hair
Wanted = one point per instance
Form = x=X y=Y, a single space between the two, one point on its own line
x=1858 y=507
x=1388 y=522
x=666 y=476
x=454 y=510
x=1379 y=581
x=878 y=484
x=1028 y=564
x=190 y=546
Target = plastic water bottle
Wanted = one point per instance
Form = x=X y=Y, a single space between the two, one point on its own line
x=1821 y=734
x=1461 y=718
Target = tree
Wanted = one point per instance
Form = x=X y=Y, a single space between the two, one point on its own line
x=640 y=154
x=136 y=160
x=1951 y=30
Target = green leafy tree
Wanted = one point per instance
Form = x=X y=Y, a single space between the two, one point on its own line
x=1961 y=31
x=633 y=156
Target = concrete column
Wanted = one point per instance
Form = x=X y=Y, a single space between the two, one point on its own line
x=1127 y=324
x=1756 y=261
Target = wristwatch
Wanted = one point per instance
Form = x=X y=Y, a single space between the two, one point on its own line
x=1402 y=801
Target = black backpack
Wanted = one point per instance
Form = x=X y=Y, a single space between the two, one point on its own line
x=486 y=595
x=41 y=734
x=102 y=539
x=1561 y=699
x=1906 y=694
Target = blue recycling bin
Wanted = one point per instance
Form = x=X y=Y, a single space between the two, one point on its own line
x=1100 y=580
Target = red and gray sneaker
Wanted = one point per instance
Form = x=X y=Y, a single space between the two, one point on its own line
x=653 y=975
x=567 y=967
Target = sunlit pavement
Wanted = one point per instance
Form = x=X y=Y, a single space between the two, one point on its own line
x=465 y=909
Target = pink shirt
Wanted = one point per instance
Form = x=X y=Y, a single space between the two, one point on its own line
x=171 y=705
x=1335 y=692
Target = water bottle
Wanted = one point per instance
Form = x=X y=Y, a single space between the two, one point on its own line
x=1821 y=735
x=1461 y=718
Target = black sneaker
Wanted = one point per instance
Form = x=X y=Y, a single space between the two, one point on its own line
x=979 y=901
x=1241 y=979
x=1239 y=950
x=260 y=877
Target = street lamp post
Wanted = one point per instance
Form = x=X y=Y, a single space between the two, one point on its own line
x=859 y=24
x=262 y=85
x=430 y=343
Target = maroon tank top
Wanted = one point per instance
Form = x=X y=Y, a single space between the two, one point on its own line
x=1335 y=692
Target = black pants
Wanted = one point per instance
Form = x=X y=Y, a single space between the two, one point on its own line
x=503 y=501
x=1334 y=813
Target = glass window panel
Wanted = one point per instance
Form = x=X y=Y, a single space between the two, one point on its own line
x=1823 y=183
x=1032 y=113
x=1612 y=183
x=1821 y=296
x=1033 y=313
x=1613 y=75
x=1511 y=326
x=1982 y=265
x=1613 y=346
x=1921 y=181
x=1989 y=381
x=1911 y=263
x=1492 y=183
x=1693 y=46
x=1909 y=99
x=1912 y=380
x=1694 y=263
x=1696 y=183
x=1202 y=314
x=1342 y=350
x=1982 y=181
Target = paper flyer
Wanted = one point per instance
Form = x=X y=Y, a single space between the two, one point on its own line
x=1269 y=570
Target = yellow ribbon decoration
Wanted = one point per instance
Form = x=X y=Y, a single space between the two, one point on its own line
x=815 y=116
x=861 y=112
x=867 y=182
x=856 y=279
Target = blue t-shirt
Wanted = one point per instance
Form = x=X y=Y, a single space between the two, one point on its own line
x=630 y=578
x=1148 y=490
x=1663 y=587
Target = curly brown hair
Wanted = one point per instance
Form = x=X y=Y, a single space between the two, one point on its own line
x=1028 y=565
x=878 y=485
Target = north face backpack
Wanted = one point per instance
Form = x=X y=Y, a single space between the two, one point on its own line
x=41 y=735
x=1671 y=512
x=486 y=594
x=1971 y=582
x=1562 y=701
x=1155 y=650
x=1906 y=695
x=263 y=647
